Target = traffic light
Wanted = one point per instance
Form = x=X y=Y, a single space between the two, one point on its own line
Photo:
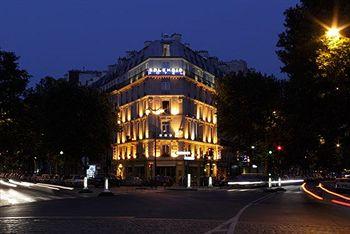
x=279 y=148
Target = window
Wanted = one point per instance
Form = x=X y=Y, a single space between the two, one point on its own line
x=166 y=50
x=165 y=151
x=166 y=106
x=166 y=127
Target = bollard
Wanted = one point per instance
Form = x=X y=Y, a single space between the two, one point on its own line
x=106 y=192
x=188 y=180
x=86 y=188
x=279 y=182
x=85 y=183
x=210 y=182
x=106 y=184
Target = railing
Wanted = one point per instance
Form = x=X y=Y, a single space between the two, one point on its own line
x=139 y=75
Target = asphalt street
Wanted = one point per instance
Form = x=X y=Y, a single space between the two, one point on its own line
x=162 y=211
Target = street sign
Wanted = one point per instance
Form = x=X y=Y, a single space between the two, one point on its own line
x=91 y=171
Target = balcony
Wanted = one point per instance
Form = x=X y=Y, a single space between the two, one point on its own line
x=145 y=72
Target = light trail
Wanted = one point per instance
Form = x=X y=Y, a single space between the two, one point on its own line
x=340 y=203
x=20 y=196
x=264 y=182
x=245 y=182
x=310 y=193
x=50 y=186
x=56 y=186
x=46 y=186
x=287 y=181
x=7 y=184
x=20 y=183
x=4 y=196
x=333 y=193
x=13 y=197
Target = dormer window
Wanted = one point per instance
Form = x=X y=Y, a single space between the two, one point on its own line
x=166 y=50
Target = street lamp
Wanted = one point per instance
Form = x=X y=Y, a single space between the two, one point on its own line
x=333 y=33
x=35 y=166
x=155 y=112
x=61 y=152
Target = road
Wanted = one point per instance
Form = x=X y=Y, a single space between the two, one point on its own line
x=162 y=211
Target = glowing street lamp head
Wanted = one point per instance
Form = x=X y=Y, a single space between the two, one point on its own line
x=333 y=32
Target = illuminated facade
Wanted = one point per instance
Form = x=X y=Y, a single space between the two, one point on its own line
x=164 y=94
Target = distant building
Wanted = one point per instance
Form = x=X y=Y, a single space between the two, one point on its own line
x=164 y=94
x=82 y=77
x=233 y=66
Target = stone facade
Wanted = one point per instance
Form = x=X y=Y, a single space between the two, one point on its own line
x=165 y=97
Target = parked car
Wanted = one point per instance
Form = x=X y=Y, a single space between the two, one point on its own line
x=114 y=181
x=44 y=178
x=75 y=180
x=342 y=183
x=56 y=179
x=132 y=181
x=164 y=181
x=98 y=181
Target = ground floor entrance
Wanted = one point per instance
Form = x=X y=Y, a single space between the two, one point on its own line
x=177 y=170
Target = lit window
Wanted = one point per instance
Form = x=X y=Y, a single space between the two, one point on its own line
x=166 y=127
x=165 y=150
x=166 y=106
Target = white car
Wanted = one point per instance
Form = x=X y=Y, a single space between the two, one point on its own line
x=342 y=183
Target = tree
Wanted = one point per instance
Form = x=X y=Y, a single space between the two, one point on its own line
x=250 y=113
x=77 y=120
x=317 y=103
x=13 y=81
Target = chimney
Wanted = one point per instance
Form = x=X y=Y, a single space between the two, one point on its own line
x=214 y=60
x=130 y=53
x=176 y=37
x=147 y=43
x=165 y=36
x=203 y=53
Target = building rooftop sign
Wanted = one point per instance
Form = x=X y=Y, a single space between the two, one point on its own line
x=166 y=71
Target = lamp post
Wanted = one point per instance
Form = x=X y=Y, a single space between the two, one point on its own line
x=35 y=166
x=155 y=112
x=61 y=154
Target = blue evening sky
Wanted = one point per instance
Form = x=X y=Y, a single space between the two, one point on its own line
x=52 y=37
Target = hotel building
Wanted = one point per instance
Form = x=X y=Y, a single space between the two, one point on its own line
x=164 y=96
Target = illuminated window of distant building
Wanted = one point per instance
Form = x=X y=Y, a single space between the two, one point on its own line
x=166 y=106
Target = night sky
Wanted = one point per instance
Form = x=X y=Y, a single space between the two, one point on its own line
x=52 y=37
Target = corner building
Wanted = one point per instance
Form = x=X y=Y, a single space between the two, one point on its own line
x=164 y=94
